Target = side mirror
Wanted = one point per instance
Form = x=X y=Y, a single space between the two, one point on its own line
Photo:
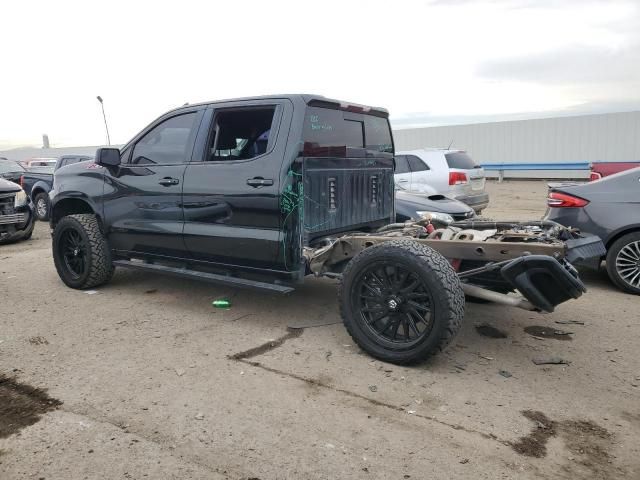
x=108 y=157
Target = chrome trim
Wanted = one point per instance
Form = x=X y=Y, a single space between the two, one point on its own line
x=10 y=219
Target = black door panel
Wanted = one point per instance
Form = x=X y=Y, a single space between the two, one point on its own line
x=143 y=196
x=228 y=221
x=145 y=216
x=231 y=202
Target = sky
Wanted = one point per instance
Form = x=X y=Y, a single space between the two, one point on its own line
x=428 y=62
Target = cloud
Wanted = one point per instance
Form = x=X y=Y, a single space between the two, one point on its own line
x=427 y=119
x=568 y=66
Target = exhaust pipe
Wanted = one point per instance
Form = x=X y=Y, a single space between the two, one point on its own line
x=496 y=297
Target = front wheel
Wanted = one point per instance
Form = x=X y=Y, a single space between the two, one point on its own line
x=623 y=263
x=42 y=206
x=80 y=252
x=401 y=301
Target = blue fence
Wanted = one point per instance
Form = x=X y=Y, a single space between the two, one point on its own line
x=502 y=167
x=537 y=166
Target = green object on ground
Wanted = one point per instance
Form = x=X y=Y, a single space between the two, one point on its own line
x=222 y=303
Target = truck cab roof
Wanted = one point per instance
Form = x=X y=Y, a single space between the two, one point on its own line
x=307 y=99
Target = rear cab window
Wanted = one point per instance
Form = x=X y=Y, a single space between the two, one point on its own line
x=460 y=160
x=338 y=133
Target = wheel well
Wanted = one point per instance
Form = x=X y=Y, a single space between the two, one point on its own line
x=69 y=206
x=35 y=192
x=621 y=234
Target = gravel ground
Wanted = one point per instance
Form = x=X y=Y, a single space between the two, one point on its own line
x=145 y=379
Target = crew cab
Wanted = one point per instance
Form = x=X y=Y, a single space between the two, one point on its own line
x=261 y=192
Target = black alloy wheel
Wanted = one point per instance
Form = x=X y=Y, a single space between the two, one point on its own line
x=395 y=303
x=80 y=252
x=73 y=249
x=401 y=301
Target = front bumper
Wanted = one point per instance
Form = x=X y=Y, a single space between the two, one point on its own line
x=17 y=225
x=478 y=201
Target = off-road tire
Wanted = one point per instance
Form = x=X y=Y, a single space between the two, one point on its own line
x=612 y=254
x=99 y=267
x=42 y=197
x=437 y=275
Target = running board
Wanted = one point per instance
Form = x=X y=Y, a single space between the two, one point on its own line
x=204 y=276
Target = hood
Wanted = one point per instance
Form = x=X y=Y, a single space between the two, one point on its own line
x=433 y=203
x=78 y=167
x=7 y=187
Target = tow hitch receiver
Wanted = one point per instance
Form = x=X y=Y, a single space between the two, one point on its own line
x=543 y=280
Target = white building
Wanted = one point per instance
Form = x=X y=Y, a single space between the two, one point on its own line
x=610 y=137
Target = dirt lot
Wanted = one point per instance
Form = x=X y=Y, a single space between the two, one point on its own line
x=145 y=379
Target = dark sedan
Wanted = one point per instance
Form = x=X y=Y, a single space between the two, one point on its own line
x=609 y=208
x=412 y=206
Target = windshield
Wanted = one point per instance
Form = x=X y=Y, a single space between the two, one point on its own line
x=9 y=166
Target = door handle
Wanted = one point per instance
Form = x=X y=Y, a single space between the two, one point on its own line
x=259 y=182
x=167 y=181
x=403 y=181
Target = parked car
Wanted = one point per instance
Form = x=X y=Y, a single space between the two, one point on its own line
x=414 y=206
x=604 y=169
x=10 y=170
x=16 y=213
x=38 y=162
x=261 y=192
x=452 y=173
x=37 y=182
x=609 y=208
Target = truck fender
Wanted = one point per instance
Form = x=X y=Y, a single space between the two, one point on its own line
x=72 y=202
x=38 y=187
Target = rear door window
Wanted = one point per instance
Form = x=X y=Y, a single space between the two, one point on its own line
x=336 y=133
x=460 y=160
x=416 y=164
x=402 y=166
x=241 y=134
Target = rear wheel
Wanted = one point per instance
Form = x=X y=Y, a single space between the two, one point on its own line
x=401 y=301
x=42 y=206
x=623 y=263
x=80 y=252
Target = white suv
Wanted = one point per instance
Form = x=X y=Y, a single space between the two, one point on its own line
x=452 y=173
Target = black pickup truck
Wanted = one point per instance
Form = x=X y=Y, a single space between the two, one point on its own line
x=261 y=192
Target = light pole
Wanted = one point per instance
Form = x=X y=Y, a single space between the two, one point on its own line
x=105 y=119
